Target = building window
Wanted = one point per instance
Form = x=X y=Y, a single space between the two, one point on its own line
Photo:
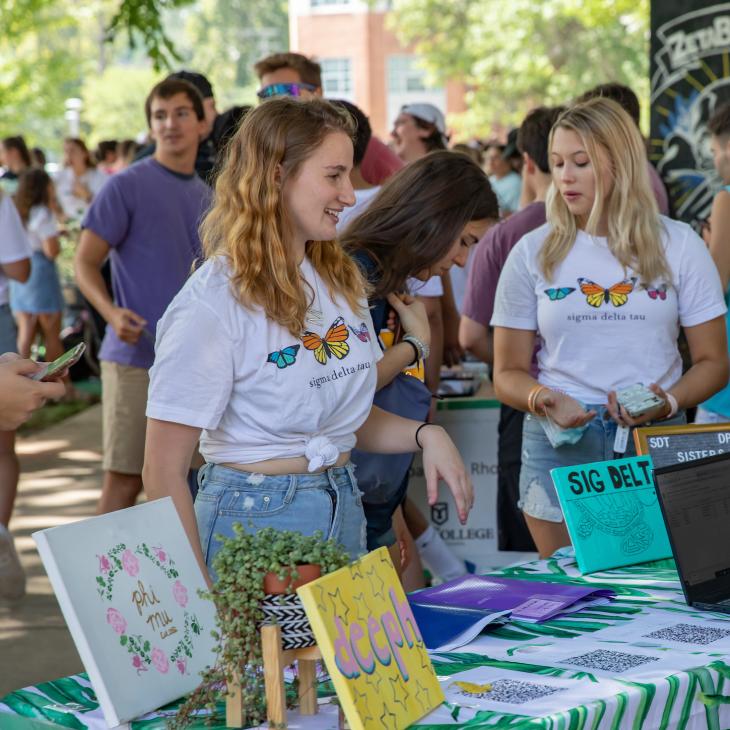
x=408 y=84
x=404 y=75
x=337 y=78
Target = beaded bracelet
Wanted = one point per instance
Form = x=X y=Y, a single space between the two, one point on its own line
x=423 y=349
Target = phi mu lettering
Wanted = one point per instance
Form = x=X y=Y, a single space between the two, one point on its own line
x=637 y=474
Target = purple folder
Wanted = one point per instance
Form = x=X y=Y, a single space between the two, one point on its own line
x=527 y=600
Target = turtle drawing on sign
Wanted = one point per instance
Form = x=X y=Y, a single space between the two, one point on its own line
x=622 y=517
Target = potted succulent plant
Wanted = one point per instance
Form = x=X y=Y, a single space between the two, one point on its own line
x=258 y=574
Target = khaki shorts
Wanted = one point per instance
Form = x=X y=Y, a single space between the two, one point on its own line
x=124 y=401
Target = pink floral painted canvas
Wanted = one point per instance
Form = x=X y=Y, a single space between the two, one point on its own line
x=127 y=584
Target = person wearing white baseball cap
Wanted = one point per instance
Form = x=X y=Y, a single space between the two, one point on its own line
x=418 y=130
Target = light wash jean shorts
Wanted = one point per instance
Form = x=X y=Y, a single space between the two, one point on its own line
x=538 y=497
x=329 y=502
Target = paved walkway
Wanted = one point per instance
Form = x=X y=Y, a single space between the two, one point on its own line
x=60 y=482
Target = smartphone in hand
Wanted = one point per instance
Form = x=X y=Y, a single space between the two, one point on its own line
x=638 y=399
x=69 y=358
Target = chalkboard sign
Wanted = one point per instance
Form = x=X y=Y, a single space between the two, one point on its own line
x=690 y=78
x=669 y=445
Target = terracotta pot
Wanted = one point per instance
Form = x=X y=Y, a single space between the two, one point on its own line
x=273 y=585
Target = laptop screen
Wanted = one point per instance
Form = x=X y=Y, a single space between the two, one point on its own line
x=695 y=499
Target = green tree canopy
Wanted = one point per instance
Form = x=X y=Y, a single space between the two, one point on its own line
x=113 y=102
x=517 y=55
x=103 y=51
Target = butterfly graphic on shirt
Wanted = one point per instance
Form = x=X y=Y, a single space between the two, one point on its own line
x=285 y=357
x=596 y=295
x=362 y=333
x=560 y=293
x=333 y=344
x=659 y=293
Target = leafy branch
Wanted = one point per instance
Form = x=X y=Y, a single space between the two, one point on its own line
x=143 y=19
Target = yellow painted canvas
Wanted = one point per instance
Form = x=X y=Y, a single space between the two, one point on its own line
x=371 y=644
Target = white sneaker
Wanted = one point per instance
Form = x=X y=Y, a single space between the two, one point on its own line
x=12 y=576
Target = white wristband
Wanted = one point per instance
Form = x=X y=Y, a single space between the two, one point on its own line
x=674 y=406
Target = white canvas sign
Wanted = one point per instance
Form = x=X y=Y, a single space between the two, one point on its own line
x=127 y=584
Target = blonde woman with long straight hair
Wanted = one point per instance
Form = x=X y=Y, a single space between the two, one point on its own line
x=267 y=355
x=604 y=285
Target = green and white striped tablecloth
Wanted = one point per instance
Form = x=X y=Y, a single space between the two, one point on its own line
x=646 y=660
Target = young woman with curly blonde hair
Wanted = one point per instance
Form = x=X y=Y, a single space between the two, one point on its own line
x=606 y=284
x=268 y=354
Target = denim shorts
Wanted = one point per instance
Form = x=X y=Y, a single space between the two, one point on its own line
x=329 y=501
x=538 y=497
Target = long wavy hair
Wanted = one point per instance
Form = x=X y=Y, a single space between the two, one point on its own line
x=417 y=215
x=248 y=222
x=634 y=229
x=34 y=188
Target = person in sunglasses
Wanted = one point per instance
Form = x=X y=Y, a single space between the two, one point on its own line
x=289 y=74
x=292 y=74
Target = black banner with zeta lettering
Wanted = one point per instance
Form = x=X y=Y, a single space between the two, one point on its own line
x=690 y=76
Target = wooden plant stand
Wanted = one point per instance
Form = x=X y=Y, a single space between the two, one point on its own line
x=275 y=659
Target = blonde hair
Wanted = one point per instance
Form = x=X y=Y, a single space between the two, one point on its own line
x=248 y=223
x=634 y=229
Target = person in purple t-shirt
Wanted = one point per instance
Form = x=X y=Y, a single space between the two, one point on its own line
x=145 y=219
x=474 y=332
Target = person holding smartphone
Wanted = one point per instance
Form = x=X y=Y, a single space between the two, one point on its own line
x=606 y=282
x=267 y=355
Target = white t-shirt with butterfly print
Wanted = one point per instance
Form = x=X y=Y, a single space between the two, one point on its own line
x=256 y=391
x=599 y=327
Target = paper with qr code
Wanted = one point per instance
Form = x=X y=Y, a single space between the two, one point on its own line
x=676 y=632
x=521 y=693
x=617 y=660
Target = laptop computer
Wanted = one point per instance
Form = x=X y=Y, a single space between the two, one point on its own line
x=695 y=500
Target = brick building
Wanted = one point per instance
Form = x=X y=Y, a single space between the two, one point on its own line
x=363 y=61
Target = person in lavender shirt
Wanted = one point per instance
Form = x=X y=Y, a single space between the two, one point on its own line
x=145 y=220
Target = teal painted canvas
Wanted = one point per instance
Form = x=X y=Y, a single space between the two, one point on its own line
x=612 y=513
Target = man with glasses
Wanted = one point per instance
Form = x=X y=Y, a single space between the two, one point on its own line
x=145 y=219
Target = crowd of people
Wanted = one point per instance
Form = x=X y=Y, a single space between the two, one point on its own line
x=283 y=297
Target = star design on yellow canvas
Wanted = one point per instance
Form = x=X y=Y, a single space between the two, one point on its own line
x=374 y=680
x=363 y=708
x=377 y=584
x=388 y=719
x=425 y=661
x=421 y=695
x=362 y=609
x=321 y=604
x=386 y=560
x=339 y=607
x=356 y=571
x=399 y=690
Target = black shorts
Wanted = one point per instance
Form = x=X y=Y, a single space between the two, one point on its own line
x=512 y=532
x=379 y=517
